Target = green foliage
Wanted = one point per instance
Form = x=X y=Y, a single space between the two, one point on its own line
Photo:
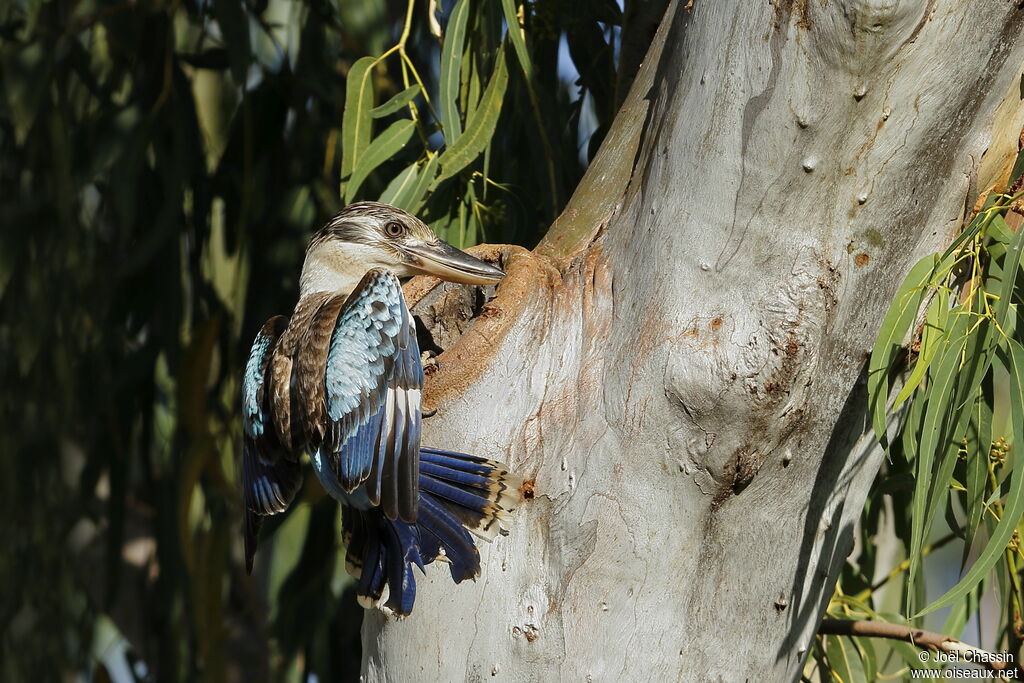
x=162 y=166
x=850 y=659
x=953 y=464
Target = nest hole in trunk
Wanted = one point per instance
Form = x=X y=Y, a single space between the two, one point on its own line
x=446 y=310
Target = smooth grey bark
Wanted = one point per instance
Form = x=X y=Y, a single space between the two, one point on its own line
x=678 y=369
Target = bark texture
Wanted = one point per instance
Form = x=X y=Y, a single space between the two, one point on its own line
x=678 y=368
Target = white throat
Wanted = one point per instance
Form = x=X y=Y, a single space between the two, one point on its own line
x=338 y=267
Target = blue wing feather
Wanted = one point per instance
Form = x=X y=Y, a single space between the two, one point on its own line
x=373 y=379
x=270 y=479
x=254 y=416
x=359 y=450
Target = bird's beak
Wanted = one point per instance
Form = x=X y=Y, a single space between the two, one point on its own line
x=448 y=263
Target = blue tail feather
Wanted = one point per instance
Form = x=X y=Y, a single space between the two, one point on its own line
x=371 y=583
x=446 y=473
x=457 y=493
x=458 y=461
x=401 y=583
x=458 y=545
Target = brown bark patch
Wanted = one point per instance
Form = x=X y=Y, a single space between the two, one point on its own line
x=861 y=260
x=785 y=9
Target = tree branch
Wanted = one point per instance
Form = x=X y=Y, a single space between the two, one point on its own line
x=925 y=640
x=602 y=189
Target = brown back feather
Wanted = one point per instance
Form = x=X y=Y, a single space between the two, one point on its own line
x=311 y=367
x=291 y=431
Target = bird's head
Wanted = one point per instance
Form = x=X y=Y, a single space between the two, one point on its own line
x=369 y=235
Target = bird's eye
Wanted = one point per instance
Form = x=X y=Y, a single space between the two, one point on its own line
x=394 y=228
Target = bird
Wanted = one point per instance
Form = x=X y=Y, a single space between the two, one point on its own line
x=341 y=381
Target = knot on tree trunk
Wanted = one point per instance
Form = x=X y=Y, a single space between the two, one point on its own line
x=765 y=360
x=861 y=36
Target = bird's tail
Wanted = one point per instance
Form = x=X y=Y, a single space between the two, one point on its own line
x=459 y=494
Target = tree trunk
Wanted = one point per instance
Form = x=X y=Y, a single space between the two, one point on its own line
x=678 y=368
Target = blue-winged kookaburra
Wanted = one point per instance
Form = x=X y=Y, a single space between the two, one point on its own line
x=341 y=381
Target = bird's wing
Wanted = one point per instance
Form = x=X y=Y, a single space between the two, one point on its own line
x=255 y=414
x=270 y=478
x=372 y=385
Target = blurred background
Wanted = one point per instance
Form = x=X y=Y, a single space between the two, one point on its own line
x=162 y=166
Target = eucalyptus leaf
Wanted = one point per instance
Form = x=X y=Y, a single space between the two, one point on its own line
x=515 y=34
x=1013 y=505
x=401 y=187
x=911 y=656
x=1009 y=270
x=1018 y=165
x=384 y=146
x=974 y=365
x=480 y=128
x=962 y=611
x=868 y=657
x=979 y=441
x=356 y=120
x=936 y=321
x=845 y=659
x=940 y=395
x=1000 y=231
x=451 y=66
x=417 y=196
x=897 y=322
x=396 y=103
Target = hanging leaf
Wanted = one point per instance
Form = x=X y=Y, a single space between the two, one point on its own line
x=451 y=65
x=962 y=612
x=384 y=146
x=845 y=659
x=979 y=442
x=417 y=196
x=400 y=187
x=1009 y=270
x=517 y=36
x=395 y=103
x=480 y=128
x=894 y=329
x=975 y=361
x=1000 y=232
x=469 y=81
x=1013 y=506
x=936 y=321
x=356 y=121
x=940 y=394
x=869 y=660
